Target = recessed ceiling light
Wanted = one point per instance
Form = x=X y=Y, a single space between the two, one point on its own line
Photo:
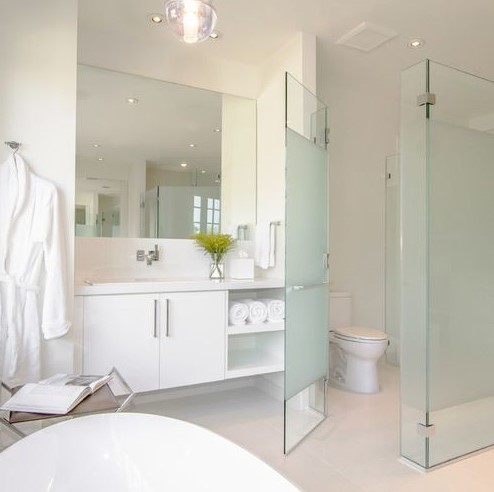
x=217 y=130
x=416 y=43
x=192 y=145
x=101 y=159
x=184 y=164
x=132 y=100
x=96 y=145
x=203 y=171
x=215 y=35
x=156 y=18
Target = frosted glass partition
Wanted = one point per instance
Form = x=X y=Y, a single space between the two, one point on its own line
x=447 y=355
x=413 y=362
x=461 y=315
x=306 y=275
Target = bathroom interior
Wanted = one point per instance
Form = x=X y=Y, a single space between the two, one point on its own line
x=149 y=140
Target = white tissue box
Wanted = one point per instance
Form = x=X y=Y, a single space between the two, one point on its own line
x=242 y=268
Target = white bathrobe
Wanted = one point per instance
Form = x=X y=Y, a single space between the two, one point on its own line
x=32 y=271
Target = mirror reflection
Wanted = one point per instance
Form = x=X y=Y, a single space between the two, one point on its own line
x=157 y=159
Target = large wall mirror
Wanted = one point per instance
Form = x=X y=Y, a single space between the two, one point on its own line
x=157 y=159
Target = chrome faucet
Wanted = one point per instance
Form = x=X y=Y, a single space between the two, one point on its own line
x=150 y=256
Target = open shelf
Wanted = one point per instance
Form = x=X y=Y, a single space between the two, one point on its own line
x=250 y=362
x=255 y=353
x=256 y=328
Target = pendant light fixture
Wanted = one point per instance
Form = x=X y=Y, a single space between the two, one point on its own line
x=191 y=21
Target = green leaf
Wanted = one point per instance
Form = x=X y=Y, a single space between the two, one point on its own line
x=216 y=245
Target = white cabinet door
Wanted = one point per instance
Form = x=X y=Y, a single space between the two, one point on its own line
x=192 y=338
x=122 y=331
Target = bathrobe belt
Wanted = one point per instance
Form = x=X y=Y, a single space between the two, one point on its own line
x=12 y=286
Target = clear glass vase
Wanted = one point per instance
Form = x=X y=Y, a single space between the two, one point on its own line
x=217 y=271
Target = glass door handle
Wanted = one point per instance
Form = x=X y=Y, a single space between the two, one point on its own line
x=325 y=261
x=306 y=286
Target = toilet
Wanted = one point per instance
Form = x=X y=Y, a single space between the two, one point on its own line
x=353 y=350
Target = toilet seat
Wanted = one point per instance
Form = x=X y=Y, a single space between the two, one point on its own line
x=359 y=334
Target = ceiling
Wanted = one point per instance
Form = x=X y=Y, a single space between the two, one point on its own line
x=457 y=33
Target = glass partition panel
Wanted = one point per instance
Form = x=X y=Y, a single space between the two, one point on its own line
x=461 y=273
x=306 y=275
x=447 y=350
x=414 y=323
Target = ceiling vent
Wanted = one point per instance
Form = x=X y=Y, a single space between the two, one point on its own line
x=367 y=36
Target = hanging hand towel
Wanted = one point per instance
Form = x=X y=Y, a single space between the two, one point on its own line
x=265 y=245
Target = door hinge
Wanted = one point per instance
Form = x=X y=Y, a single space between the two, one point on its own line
x=426 y=98
x=426 y=430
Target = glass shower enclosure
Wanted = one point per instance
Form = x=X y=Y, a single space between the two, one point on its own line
x=306 y=263
x=447 y=264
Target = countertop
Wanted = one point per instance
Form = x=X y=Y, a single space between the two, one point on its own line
x=92 y=287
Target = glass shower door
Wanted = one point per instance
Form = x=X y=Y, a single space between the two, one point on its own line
x=306 y=272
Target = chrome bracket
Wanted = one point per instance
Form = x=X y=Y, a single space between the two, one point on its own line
x=426 y=430
x=426 y=98
x=325 y=261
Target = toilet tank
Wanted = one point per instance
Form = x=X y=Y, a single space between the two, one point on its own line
x=340 y=309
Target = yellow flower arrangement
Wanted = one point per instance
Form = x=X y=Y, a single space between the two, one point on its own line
x=216 y=245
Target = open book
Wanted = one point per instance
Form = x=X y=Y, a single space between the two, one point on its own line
x=57 y=395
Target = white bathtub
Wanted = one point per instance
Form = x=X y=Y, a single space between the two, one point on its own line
x=125 y=452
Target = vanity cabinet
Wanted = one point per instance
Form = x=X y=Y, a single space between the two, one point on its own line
x=156 y=340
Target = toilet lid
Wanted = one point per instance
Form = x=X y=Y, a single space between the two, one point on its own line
x=360 y=333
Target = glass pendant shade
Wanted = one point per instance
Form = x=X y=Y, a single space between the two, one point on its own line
x=191 y=21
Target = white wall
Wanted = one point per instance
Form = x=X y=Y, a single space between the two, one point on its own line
x=37 y=107
x=364 y=125
x=238 y=163
x=298 y=57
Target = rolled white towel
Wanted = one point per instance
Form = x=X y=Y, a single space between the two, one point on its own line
x=237 y=313
x=258 y=311
x=276 y=309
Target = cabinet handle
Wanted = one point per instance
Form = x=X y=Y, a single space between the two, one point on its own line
x=167 y=331
x=155 y=332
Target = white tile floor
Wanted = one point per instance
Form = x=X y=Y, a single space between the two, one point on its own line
x=355 y=450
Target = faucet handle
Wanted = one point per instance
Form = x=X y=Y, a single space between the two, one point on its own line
x=156 y=253
x=153 y=255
